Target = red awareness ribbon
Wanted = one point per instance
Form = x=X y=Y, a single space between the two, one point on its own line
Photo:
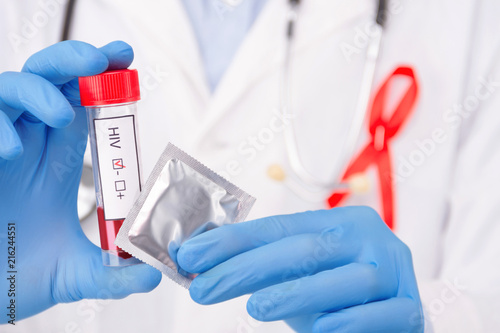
x=382 y=129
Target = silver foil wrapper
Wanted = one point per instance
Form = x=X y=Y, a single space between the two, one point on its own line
x=181 y=199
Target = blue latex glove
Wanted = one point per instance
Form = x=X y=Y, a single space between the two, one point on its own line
x=339 y=270
x=43 y=134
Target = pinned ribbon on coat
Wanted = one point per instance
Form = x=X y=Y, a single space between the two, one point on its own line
x=382 y=128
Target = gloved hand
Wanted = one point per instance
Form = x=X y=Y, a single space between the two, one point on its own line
x=339 y=270
x=43 y=133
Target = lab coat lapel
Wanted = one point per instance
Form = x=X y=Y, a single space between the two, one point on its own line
x=262 y=50
x=250 y=62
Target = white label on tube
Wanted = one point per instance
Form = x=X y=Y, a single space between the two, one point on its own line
x=118 y=165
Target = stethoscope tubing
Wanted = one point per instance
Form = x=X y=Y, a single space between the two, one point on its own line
x=309 y=182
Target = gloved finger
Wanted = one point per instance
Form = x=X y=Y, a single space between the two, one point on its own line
x=391 y=315
x=84 y=276
x=66 y=148
x=272 y=264
x=218 y=245
x=116 y=283
x=120 y=55
x=407 y=274
x=10 y=143
x=327 y=291
x=64 y=61
x=303 y=324
x=28 y=92
x=32 y=136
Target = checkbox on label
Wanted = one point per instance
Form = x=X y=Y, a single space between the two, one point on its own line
x=120 y=185
x=118 y=164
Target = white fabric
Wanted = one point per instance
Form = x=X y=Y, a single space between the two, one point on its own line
x=447 y=203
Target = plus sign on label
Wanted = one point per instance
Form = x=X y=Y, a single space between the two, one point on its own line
x=118 y=165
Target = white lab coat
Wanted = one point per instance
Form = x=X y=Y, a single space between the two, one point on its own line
x=447 y=206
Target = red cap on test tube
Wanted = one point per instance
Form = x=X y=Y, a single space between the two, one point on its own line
x=112 y=87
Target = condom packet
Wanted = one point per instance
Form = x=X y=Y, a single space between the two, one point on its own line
x=181 y=199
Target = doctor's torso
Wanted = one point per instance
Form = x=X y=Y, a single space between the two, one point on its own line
x=236 y=130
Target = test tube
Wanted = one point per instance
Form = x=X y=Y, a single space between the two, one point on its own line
x=111 y=99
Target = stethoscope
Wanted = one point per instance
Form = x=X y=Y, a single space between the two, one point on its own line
x=302 y=182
